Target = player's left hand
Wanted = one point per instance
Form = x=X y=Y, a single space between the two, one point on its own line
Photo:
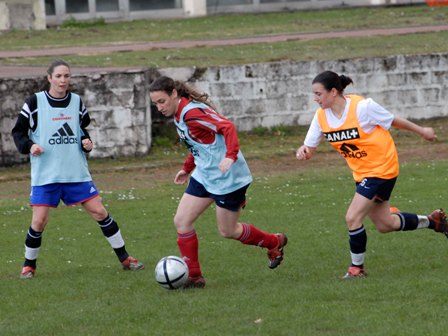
x=87 y=144
x=429 y=134
x=225 y=164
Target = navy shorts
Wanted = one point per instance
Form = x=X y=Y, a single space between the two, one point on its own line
x=233 y=201
x=70 y=193
x=376 y=188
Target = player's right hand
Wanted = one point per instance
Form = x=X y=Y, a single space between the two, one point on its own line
x=303 y=153
x=181 y=177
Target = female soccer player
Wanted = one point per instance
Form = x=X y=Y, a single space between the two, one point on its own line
x=220 y=175
x=51 y=127
x=358 y=128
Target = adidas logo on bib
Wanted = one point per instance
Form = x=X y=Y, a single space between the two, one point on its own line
x=63 y=136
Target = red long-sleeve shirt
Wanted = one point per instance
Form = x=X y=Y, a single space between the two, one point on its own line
x=203 y=125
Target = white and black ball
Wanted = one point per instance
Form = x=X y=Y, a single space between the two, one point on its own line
x=171 y=272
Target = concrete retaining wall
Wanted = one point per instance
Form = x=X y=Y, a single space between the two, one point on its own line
x=22 y=14
x=117 y=103
x=280 y=93
x=253 y=95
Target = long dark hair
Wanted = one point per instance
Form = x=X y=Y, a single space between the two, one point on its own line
x=330 y=80
x=167 y=85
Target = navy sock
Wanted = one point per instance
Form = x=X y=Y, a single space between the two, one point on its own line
x=109 y=227
x=33 y=240
x=30 y=263
x=358 y=241
x=408 y=221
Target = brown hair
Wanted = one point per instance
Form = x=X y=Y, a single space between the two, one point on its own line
x=167 y=85
x=56 y=63
x=330 y=80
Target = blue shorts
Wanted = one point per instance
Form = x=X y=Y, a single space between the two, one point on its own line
x=70 y=193
x=233 y=201
x=376 y=188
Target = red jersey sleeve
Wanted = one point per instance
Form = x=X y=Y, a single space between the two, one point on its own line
x=204 y=124
x=189 y=164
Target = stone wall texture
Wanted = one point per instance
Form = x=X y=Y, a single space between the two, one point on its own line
x=251 y=95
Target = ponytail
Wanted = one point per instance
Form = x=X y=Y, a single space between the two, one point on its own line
x=330 y=80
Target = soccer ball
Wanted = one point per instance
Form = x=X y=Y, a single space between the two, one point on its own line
x=171 y=272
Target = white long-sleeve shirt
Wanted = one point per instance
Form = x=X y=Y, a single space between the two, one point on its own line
x=370 y=114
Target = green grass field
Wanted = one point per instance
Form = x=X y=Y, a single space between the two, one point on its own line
x=236 y=26
x=80 y=288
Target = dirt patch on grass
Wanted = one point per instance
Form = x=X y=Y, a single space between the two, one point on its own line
x=15 y=182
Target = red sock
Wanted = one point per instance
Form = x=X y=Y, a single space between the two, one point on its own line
x=254 y=236
x=189 y=249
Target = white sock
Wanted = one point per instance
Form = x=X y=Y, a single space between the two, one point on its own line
x=31 y=253
x=116 y=241
x=423 y=222
x=357 y=258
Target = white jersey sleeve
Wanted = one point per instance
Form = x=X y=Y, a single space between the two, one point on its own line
x=315 y=134
x=371 y=114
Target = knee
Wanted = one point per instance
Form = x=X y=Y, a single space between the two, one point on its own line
x=230 y=231
x=382 y=229
x=226 y=233
x=352 y=222
x=385 y=224
x=99 y=213
x=181 y=224
x=38 y=224
x=177 y=222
